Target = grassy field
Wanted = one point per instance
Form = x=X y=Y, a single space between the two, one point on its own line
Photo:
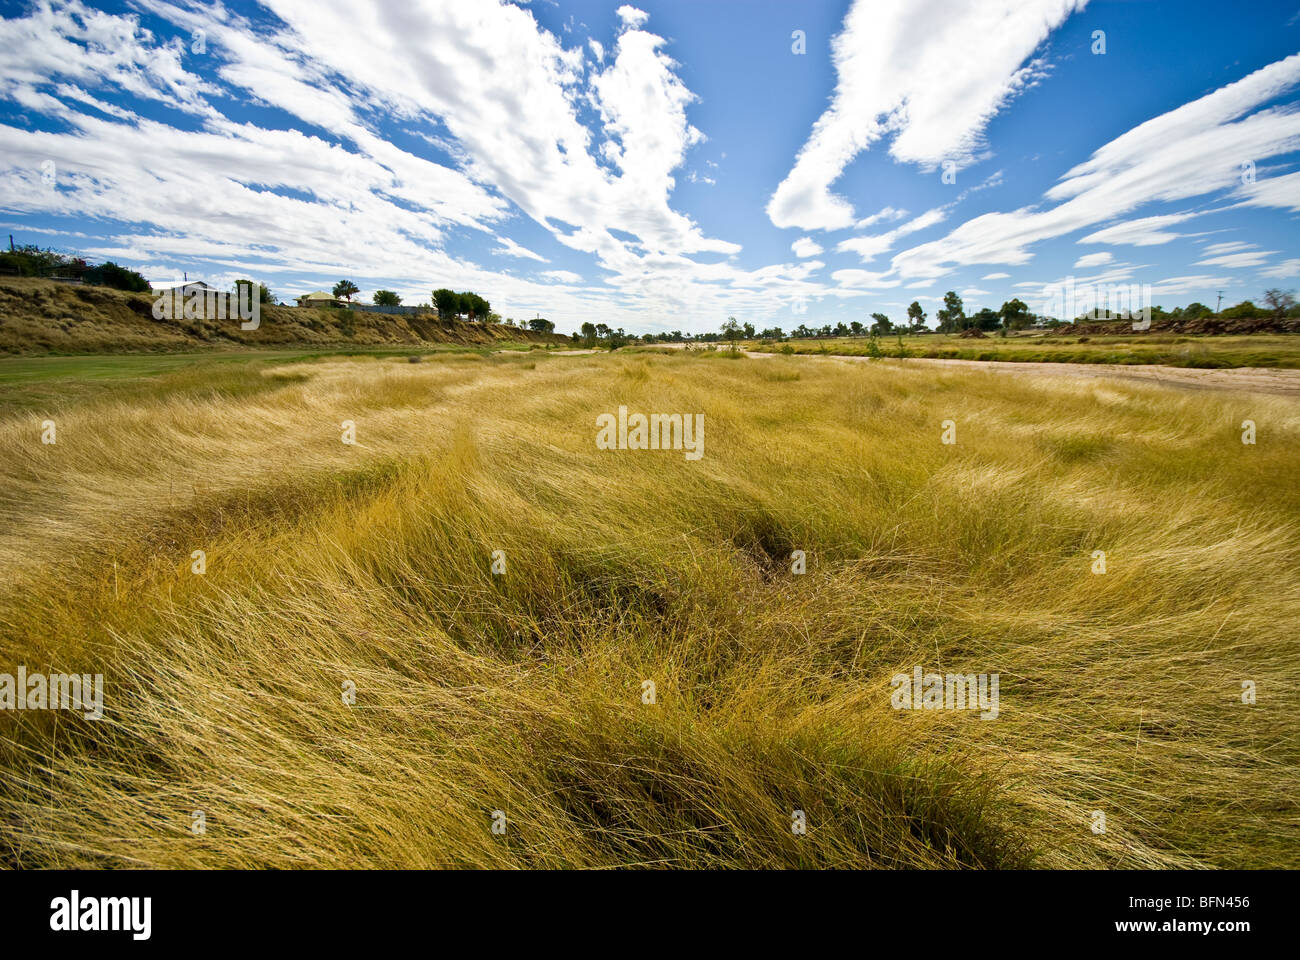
x=42 y=382
x=1255 y=350
x=332 y=566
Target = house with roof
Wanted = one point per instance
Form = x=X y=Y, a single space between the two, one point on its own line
x=318 y=298
x=181 y=288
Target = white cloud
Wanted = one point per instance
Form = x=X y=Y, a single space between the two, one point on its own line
x=1176 y=286
x=905 y=67
x=92 y=48
x=564 y=276
x=1190 y=151
x=1283 y=270
x=869 y=247
x=864 y=280
x=509 y=248
x=886 y=213
x=632 y=17
x=806 y=247
x=1250 y=258
x=996 y=276
x=1232 y=246
x=1266 y=191
x=1146 y=232
x=1093 y=260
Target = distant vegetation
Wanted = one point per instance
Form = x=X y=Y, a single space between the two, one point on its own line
x=345 y=290
x=1014 y=315
x=451 y=305
x=32 y=261
x=264 y=294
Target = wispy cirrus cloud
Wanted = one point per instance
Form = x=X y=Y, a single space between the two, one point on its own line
x=904 y=70
x=1191 y=151
x=1143 y=232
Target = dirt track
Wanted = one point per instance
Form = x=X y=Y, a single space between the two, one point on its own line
x=1250 y=379
x=1279 y=382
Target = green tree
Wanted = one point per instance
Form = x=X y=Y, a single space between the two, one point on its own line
x=538 y=325
x=1015 y=314
x=109 y=274
x=346 y=290
x=953 y=315
x=1246 y=310
x=447 y=303
x=386 y=298
x=474 y=306
x=881 y=324
x=264 y=294
x=915 y=315
x=731 y=330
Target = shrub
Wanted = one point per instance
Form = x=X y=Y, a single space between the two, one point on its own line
x=109 y=274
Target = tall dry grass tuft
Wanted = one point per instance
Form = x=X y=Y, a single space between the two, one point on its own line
x=371 y=565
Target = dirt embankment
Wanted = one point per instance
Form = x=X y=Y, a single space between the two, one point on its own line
x=42 y=316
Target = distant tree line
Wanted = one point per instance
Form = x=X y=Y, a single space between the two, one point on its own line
x=952 y=317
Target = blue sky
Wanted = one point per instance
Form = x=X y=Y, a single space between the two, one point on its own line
x=664 y=165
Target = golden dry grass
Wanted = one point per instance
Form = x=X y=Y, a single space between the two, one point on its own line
x=370 y=564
